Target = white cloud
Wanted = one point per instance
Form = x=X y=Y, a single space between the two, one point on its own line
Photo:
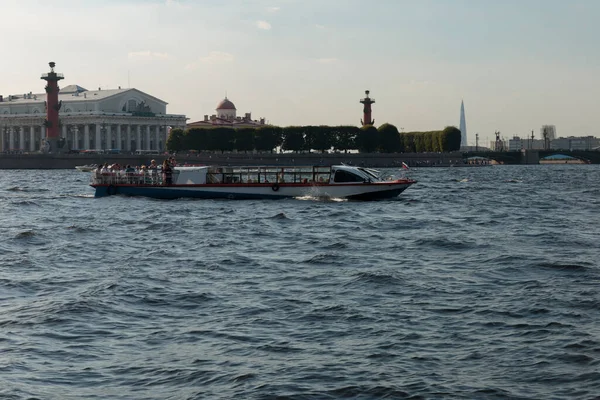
x=214 y=57
x=329 y=60
x=273 y=9
x=319 y=26
x=263 y=25
x=147 y=54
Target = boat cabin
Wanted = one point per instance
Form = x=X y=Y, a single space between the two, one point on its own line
x=256 y=174
x=201 y=175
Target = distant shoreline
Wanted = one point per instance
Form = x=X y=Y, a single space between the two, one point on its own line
x=377 y=160
x=374 y=160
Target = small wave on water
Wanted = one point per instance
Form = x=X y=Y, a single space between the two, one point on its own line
x=27 y=189
x=325 y=259
x=336 y=246
x=81 y=229
x=25 y=235
x=444 y=243
x=24 y=203
x=375 y=278
x=563 y=267
x=380 y=391
x=280 y=216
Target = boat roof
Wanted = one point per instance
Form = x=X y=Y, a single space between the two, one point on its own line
x=319 y=169
x=192 y=167
x=270 y=166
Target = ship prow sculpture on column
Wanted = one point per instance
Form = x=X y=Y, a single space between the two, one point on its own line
x=53 y=143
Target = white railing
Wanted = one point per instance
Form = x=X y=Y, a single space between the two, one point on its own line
x=152 y=177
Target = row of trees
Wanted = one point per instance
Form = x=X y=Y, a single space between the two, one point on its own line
x=367 y=139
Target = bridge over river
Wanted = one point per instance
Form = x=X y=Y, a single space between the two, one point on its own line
x=533 y=156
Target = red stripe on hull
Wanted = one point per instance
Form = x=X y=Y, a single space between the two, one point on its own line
x=228 y=185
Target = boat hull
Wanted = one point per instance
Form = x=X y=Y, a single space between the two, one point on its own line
x=366 y=191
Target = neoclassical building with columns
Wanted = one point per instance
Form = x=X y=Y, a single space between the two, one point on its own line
x=124 y=120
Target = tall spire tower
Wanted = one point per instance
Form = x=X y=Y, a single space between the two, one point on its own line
x=367 y=110
x=52 y=107
x=463 y=125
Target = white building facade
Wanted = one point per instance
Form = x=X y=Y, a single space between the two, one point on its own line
x=123 y=120
x=568 y=143
x=517 y=144
x=575 y=143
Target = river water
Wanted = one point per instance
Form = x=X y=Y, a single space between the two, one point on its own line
x=475 y=283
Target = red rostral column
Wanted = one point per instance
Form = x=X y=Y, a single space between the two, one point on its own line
x=367 y=110
x=52 y=107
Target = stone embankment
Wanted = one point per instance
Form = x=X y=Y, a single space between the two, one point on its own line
x=376 y=160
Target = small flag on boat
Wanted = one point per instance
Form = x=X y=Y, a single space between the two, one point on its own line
x=404 y=165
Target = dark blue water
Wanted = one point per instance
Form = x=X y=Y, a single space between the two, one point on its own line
x=476 y=283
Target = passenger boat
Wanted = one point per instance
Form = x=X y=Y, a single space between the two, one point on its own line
x=339 y=181
x=86 y=168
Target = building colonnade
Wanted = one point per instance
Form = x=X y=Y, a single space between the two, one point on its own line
x=125 y=136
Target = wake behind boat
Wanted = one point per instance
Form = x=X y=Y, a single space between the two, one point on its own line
x=210 y=182
x=86 y=168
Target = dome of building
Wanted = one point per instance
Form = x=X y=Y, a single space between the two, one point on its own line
x=225 y=104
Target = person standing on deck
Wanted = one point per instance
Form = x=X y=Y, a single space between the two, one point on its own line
x=168 y=173
x=153 y=169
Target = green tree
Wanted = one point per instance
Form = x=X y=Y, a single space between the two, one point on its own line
x=436 y=141
x=453 y=138
x=319 y=138
x=428 y=141
x=244 y=139
x=389 y=139
x=196 y=139
x=268 y=137
x=175 y=141
x=367 y=139
x=408 y=140
x=345 y=138
x=419 y=142
x=441 y=141
x=223 y=139
x=211 y=137
x=293 y=138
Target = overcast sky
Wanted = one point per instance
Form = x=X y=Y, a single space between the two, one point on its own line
x=518 y=64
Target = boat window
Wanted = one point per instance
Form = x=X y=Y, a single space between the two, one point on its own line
x=345 y=176
x=369 y=172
